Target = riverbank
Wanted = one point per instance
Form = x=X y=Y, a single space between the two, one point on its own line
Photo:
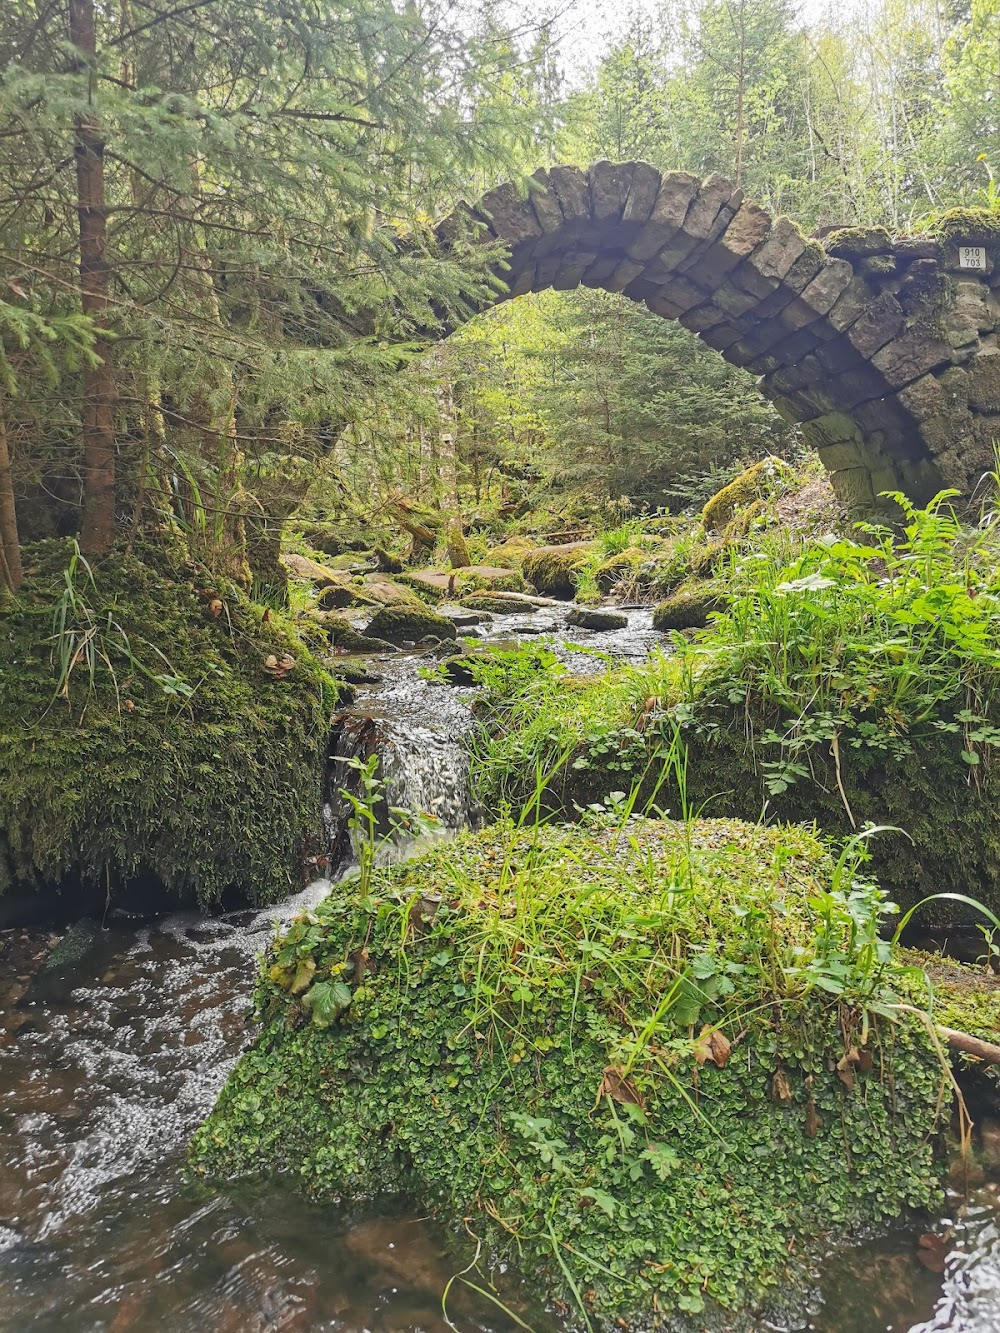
x=164 y=736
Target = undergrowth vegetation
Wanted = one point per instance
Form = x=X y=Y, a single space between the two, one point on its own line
x=854 y=682
x=653 y=1063
x=161 y=729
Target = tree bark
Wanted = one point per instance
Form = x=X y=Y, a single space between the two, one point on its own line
x=98 y=532
x=962 y=1041
x=10 y=548
x=458 y=552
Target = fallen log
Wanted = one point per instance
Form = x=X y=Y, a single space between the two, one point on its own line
x=969 y=1045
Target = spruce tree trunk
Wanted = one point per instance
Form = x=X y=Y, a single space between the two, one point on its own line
x=458 y=551
x=98 y=532
x=10 y=548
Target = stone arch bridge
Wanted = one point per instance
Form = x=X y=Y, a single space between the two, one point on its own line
x=884 y=349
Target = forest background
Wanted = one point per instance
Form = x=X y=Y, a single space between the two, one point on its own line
x=217 y=275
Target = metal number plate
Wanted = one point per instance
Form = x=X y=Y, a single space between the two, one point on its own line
x=972 y=256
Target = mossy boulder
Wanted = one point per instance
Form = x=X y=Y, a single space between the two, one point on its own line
x=609 y=1053
x=436 y=584
x=379 y=588
x=409 y=624
x=499 y=603
x=756 y=483
x=489 y=578
x=339 y=596
x=344 y=638
x=966 y=226
x=510 y=553
x=552 y=570
x=191 y=760
x=857 y=242
x=687 y=608
x=629 y=572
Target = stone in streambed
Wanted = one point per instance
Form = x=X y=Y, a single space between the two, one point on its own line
x=687 y=608
x=553 y=570
x=346 y=639
x=586 y=618
x=506 y=603
x=462 y=618
x=409 y=624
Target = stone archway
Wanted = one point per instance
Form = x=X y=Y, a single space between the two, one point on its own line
x=883 y=349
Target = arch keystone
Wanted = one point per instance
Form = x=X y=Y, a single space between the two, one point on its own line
x=610 y=183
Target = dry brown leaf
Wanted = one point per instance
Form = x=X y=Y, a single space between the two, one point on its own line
x=846 y=1066
x=619 y=1087
x=781 y=1090
x=712 y=1045
x=812 y=1120
x=359 y=961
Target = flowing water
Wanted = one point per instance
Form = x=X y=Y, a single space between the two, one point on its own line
x=108 y=1062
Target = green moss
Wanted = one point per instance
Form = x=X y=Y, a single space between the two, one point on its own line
x=552 y=570
x=528 y=1033
x=342 y=635
x=456 y=545
x=409 y=624
x=857 y=242
x=193 y=758
x=757 y=483
x=510 y=553
x=489 y=579
x=687 y=608
x=971 y=226
x=628 y=572
x=879 y=266
x=497 y=604
x=960 y=996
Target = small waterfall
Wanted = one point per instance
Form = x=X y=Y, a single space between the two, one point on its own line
x=417 y=727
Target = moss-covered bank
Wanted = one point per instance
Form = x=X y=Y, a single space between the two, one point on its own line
x=638 y=1060
x=856 y=683
x=157 y=727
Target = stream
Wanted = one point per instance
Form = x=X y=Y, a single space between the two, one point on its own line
x=108 y=1062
